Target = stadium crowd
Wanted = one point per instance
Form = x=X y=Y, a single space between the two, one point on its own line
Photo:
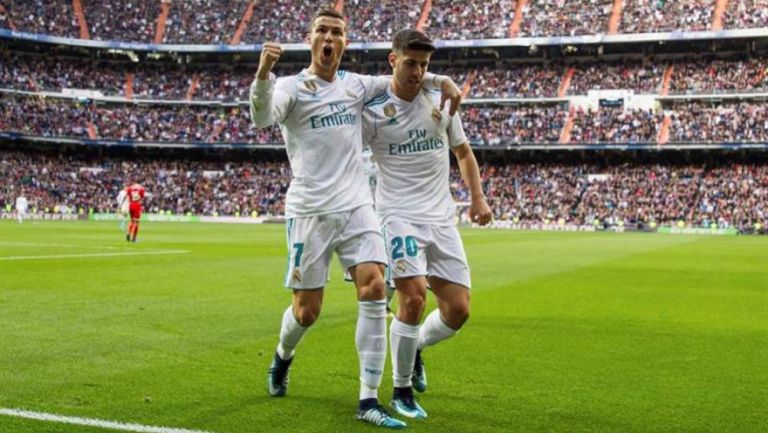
x=484 y=125
x=730 y=195
x=469 y=20
x=143 y=123
x=725 y=194
x=130 y=21
x=725 y=122
x=199 y=187
x=515 y=81
x=512 y=125
x=565 y=18
x=380 y=20
x=186 y=25
x=216 y=21
x=502 y=80
x=626 y=74
x=646 y=16
x=614 y=124
x=708 y=76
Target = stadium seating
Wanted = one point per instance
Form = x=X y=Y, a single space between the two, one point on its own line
x=137 y=20
x=726 y=194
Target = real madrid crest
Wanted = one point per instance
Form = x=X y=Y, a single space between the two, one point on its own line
x=390 y=110
x=437 y=116
x=309 y=84
x=296 y=276
x=400 y=266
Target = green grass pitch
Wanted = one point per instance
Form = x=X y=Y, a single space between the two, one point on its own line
x=569 y=332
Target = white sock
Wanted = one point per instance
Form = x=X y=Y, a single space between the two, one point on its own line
x=434 y=330
x=403 y=338
x=371 y=343
x=290 y=334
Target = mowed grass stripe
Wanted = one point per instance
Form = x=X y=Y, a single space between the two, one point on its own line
x=569 y=332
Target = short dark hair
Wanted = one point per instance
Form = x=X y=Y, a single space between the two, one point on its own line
x=410 y=39
x=333 y=13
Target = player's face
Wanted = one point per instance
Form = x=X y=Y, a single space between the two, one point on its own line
x=328 y=39
x=409 y=67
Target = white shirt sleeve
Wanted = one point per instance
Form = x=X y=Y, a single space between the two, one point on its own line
x=456 y=135
x=271 y=101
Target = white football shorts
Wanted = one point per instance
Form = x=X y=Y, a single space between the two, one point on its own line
x=428 y=250
x=354 y=235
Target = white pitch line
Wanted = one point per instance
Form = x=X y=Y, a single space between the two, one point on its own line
x=79 y=256
x=41 y=244
x=92 y=422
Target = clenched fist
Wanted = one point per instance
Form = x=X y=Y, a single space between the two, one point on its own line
x=270 y=54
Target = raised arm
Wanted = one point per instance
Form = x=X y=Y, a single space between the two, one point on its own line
x=269 y=103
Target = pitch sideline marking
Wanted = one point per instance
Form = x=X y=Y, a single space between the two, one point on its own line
x=79 y=256
x=93 y=247
x=93 y=422
x=44 y=244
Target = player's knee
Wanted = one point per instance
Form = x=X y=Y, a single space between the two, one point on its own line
x=307 y=316
x=458 y=315
x=413 y=306
x=374 y=290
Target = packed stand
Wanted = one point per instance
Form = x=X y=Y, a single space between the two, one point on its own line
x=638 y=76
x=630 y=194
x=141 y=123
x=380 y=20
x=649 y=16
x=516 y=81
x=129 y=21
x=502 y=80
x=715 y=76
x=702 y=121
x=54 y=18
x=720 y=195
x=187 y=25
x=150 y=80
x=532 y=193
x=614 y=124
x=746 y=14
x=468 y=20
x=179 y=186
x=486 y=126
x=35 y=73
x=565 y=17
x=284 y=21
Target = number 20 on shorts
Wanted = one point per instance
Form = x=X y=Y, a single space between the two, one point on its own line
x=411 y=248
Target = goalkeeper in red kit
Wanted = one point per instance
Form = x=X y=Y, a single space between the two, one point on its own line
x=135 y=194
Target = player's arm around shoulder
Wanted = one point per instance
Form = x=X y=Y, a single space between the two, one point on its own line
x=449 y=90
x=269 y=97
x=479 y=211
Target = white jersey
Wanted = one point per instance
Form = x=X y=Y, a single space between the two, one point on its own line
x=410 y=143
x=369 y=168
x=21 y=203
x=321 y=126
x=121 y=196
